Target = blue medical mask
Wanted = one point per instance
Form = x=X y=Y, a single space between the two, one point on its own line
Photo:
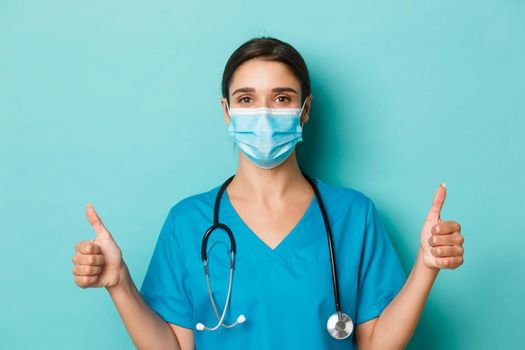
x=267 y=136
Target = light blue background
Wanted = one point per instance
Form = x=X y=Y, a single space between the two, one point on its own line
x=117 y=103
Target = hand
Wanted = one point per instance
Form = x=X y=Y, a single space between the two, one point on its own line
x=441 y=242
x=98 y=262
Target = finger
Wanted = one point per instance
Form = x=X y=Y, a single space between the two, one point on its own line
x=96 y=223
x=87 y=247
x=86 y=270
x=450 y=262
x=85 y=281
x=88 y=259
x=443 y=240
x=446 y=251
x=437 y=203
x=446 y=227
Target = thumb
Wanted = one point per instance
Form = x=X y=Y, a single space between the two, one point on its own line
x=96 y=223
x=437 y=203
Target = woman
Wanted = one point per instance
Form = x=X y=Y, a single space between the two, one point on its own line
x=283 y=290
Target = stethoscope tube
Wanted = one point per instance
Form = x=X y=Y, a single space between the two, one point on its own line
x=339 y=325
x=335 y=283
x=217 y=225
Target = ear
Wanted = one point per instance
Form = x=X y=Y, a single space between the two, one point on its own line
x=306 y=110
x=225 y=111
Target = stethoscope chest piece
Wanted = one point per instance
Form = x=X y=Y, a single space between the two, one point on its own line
x=340 y=327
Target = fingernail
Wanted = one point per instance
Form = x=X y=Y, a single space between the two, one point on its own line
x=444 y=185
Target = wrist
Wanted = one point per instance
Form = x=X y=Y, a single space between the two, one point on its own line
x=124 y=282
x=422 y=267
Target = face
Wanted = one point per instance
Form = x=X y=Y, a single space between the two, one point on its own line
x=260 y=83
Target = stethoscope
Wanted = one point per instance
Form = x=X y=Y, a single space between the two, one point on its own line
x=339 y=324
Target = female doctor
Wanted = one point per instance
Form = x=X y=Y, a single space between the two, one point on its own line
x=299 y=264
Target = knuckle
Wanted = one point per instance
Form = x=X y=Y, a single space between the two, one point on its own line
x=457 y=263
x=79 y=282
x=91 y=259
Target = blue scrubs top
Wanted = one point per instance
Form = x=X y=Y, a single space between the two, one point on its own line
x=285 y=293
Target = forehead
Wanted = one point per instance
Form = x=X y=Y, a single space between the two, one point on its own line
x=261 y=74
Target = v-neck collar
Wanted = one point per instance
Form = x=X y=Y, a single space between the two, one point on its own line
x=288 y=242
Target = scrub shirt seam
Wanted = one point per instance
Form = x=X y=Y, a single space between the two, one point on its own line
x=185 y=273
x=185 y=321
x=364 y=239
x=375 y=309
x=177 y=243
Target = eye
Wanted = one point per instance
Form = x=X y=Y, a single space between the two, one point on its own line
x=244 y=99
x=283 y=99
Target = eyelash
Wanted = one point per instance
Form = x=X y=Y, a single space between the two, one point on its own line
x=242 y=99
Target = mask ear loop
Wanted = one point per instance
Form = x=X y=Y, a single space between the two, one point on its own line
x=228 y=108
x=301 y=112
x=304 y=104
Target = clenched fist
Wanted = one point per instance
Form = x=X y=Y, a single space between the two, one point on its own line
x=98 y=262
x=441 y=242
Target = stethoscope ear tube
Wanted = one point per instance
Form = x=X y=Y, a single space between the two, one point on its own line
x=233 y=249
x=216 y=224
x=207 y=235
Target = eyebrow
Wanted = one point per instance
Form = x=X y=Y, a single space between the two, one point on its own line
x=277 y=89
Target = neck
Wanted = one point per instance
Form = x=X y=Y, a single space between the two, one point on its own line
x=266 y=184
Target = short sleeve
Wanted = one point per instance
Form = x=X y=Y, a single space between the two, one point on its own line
x=165 y=286
x=381 y=275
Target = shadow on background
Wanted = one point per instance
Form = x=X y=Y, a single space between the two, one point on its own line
x=316 y=156
x=320 y=152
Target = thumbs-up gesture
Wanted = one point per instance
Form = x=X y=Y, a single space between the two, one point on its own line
x=441 y=242
x=98 y=262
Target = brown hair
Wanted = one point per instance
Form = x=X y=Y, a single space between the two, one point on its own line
x=270 y=49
